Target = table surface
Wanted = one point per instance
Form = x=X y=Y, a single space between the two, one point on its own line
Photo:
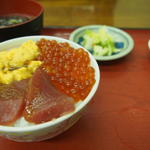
x=117 y=118
x=119 y=13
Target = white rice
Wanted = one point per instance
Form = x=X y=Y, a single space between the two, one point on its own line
x=22 y=123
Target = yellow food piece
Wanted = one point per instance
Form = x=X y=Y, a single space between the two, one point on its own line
x=22 y=73
x=6 y=78
x=33 y=65
x=19 y=63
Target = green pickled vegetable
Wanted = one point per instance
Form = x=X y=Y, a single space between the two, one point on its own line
x=100 y=42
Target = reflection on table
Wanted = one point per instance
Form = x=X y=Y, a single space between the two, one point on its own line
x=119 y=13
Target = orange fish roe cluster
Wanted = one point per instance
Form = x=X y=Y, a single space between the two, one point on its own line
x=69 y=68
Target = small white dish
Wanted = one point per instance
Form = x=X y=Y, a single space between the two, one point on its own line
x=117 y=35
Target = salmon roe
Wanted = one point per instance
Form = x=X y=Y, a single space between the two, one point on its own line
x=69 y=68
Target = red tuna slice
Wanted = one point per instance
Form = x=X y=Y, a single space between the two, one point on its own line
x=44 y=101
x=12 y=101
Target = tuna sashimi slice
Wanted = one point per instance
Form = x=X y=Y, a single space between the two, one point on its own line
x=44 y=102
x=12 y=101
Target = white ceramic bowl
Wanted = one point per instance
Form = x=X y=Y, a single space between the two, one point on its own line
x=55 y=127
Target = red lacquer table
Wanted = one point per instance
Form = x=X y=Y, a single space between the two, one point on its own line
x=118 y=117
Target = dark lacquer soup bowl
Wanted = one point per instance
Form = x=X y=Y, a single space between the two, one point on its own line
x=20 y=18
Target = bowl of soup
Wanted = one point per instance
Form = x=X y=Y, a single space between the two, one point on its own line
x=20 y=18
x=46 y=83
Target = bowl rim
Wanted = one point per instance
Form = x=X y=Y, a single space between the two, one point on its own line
x=28 y=21
x=117 y=30
x=64 y=117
